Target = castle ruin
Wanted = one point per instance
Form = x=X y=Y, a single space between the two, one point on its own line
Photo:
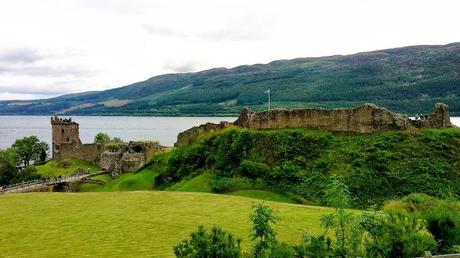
x=367 y=118
x=126 y=157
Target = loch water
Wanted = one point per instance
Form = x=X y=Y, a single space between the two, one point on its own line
x=128 y=128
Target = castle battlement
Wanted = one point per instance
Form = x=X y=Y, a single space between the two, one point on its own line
x=62 y=121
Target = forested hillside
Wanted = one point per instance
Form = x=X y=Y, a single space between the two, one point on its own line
x=409 y=80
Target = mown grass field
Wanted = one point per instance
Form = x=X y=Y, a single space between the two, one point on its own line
x=130 y=224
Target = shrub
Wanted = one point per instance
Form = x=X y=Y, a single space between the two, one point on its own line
x=442 y=217
x=315 y=246
x=231 y=184
x=202 y=244
x=262 y=233
x=395 y=235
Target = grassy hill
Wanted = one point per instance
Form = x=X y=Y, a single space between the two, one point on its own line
x=129 y=224
x=409 y=79
x=299 y=164
x=64 y=167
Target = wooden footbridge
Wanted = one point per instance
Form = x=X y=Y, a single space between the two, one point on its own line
x=40 y=184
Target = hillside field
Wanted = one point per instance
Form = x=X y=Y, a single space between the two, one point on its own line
x=131 y=224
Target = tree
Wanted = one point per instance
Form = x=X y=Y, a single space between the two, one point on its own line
x=262 y=231
x=9 y=161
x=201 y=244
x=105 y=139
x=30 y=149
x=102 y=138
x=44 y=151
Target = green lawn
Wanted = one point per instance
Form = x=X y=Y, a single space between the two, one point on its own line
x=68 y=166
x=264 y=195
x=134 y=224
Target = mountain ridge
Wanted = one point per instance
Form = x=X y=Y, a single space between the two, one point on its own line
x=407 y=79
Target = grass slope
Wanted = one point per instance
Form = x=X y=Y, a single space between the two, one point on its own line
x=129 y=224
x=64 y=167
x=143 y=180
x=199 y=183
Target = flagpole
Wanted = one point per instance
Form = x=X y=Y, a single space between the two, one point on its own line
x=269 y=99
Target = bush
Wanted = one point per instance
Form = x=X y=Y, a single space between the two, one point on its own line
x=315 y=246
x=442 y=217
x=263 y=233
x=231 y=184
x=201 y=244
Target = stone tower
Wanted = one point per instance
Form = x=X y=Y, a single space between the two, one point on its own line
x=65 y=134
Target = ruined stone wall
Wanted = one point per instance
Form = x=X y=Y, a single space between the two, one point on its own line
x=129 y=157
x=437 y=119
x=87 y=152
x=192 y=134
x=363 y=119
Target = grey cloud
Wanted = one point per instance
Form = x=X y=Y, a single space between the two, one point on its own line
x=163 y=31
x=235 y=34
x=181 y=67
x=27 y=89
x=45 y=71
x=20 y=56
x=240 y=33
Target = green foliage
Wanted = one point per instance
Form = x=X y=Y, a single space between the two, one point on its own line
x=102 y=138
x=315 y=246
x=395 y=235
x=301 y=162
x=442 y=218
x=231 y=184
x=262 y=232
x=30 y=149
x=201 y=244
x=10 y=173
x=113 y=147
x=9 y=160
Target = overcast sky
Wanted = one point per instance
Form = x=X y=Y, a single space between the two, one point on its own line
x=55 y=47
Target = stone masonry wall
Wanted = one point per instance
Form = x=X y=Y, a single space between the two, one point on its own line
x=363 y=119
x=191 y=134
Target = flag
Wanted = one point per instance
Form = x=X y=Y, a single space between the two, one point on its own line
x=267 y=91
